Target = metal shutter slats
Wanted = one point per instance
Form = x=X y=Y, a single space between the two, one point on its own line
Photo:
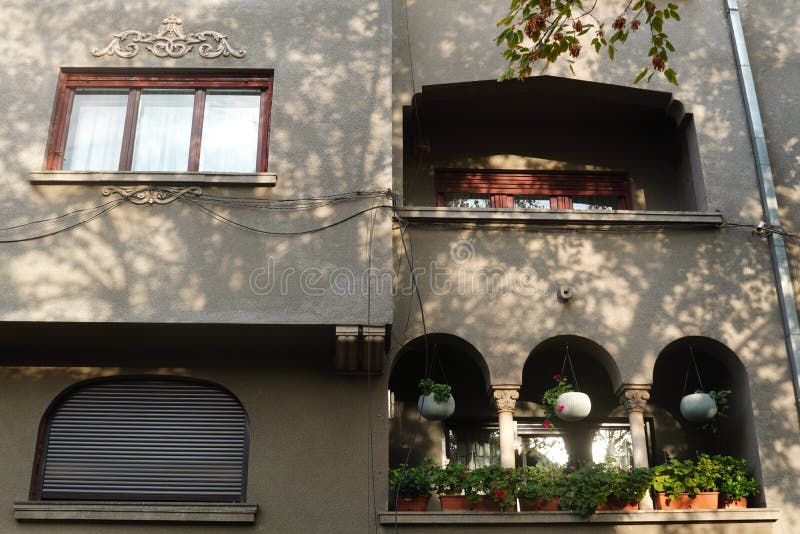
x=146 y=439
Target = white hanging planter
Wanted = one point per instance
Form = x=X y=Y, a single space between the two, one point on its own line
x=576 y=406
x=436 y=411
x=698 y=407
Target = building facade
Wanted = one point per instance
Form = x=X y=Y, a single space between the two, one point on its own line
x=236 y=234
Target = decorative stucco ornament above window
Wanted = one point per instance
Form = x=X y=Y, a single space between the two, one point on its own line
x=170 y=41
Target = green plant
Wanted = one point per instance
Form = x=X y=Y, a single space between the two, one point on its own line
x=545 y=30
x=493 y=481
x=550 y=397
x=541 y=482
x=450 y=480
x=686 y=476
x=734 y=481
x=595 y=484
x=412 y=481
x=441 y=392
x=721 y=398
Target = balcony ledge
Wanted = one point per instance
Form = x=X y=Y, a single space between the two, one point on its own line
x=640 y=517
x=221 y=179
x=525 y=217
x=135 y=511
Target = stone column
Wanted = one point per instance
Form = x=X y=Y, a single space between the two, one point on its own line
x=635 y=398
x=505 y=397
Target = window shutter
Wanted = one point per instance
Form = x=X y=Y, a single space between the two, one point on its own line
x=145 y=439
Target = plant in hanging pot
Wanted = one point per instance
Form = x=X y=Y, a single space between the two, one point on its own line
x=540 y=487
x=685 y=485
x=412 y=486
x=436 y=402
x=735 y=483
x=604 y=487
x=450 y=483
x=492 y=488
x=561 y=401
x=707 y=408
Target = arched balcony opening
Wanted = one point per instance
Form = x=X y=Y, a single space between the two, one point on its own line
x=717 y=369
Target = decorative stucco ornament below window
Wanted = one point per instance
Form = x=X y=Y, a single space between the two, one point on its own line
x=170 y=41
x=152 y=194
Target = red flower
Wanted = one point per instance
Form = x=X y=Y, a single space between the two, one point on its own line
x=556 y=377
x=560 y=407
x=500 y=494
x=546 y=424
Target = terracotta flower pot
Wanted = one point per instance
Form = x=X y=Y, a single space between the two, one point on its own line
x=614 y=504
x=539 y=505
x=412 y=504
x=454 y=502
x=732 y=503
x=485 y=504
x=707 y=500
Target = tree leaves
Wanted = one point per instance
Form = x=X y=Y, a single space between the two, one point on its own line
x=546 y=30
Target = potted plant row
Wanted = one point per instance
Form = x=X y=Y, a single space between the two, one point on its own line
x=710 y=482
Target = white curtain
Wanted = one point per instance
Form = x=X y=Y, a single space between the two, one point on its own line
x=94 y=139
x=230 y=131
x=163 y=131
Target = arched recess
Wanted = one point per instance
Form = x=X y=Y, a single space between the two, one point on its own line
x=449 y=359
x=143 y=438
x=720 y=369
x=596 y=374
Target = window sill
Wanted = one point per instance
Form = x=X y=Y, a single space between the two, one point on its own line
x=640 y=517
x=135 y=511
x=222 y=179
x=515 y=216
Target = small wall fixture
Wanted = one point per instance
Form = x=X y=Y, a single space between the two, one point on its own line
x=565 y=293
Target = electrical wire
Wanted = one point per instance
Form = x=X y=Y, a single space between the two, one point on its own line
x=110 y=206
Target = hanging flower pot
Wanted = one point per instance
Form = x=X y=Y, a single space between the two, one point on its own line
x=436 y=403
x=698 y=407
x=434 y=410
x=573 y=406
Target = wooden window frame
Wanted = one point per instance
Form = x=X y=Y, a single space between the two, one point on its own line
x=561 y=186
x=135 y=81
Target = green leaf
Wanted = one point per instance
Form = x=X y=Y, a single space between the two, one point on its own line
x=611 y=53
x=671 y=76
x=671 y=6
x=572 y=69
x=669 y=46
x=675 y=15
x=640 y=76
x=638 y=5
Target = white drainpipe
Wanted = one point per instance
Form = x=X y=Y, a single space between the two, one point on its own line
x=769 y=200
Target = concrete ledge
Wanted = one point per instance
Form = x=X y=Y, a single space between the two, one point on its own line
x=135 y=511
x=256 y=179
x=640 y=517
x=505 y=217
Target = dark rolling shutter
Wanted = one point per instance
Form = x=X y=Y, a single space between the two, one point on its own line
x=146 y=439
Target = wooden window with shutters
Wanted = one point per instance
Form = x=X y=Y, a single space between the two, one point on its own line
x=490 y=188
x=143 y=439
x=161 y=121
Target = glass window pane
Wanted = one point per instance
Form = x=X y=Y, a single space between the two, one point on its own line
x=613 y=444
x=595 y=202
x=537 y=202
x=163 y=131
x=473 y=447
x=230 y=131
x=466 y=200
x=94 y=138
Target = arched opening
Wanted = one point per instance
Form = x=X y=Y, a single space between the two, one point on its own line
x=449 y=359
x=719 y=369
x=591 y=370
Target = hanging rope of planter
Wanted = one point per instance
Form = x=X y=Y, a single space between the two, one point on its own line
x=572 y=405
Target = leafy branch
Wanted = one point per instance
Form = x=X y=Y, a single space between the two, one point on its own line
x=545 y=31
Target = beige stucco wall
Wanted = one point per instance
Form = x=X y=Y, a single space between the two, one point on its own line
x=329 y=134
x=635 y=291
x=306 y=473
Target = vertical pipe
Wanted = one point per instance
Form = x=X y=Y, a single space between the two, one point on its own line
x=769 y=200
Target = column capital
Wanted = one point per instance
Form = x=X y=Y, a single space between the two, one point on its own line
x=505 y=397
x=634 y=398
